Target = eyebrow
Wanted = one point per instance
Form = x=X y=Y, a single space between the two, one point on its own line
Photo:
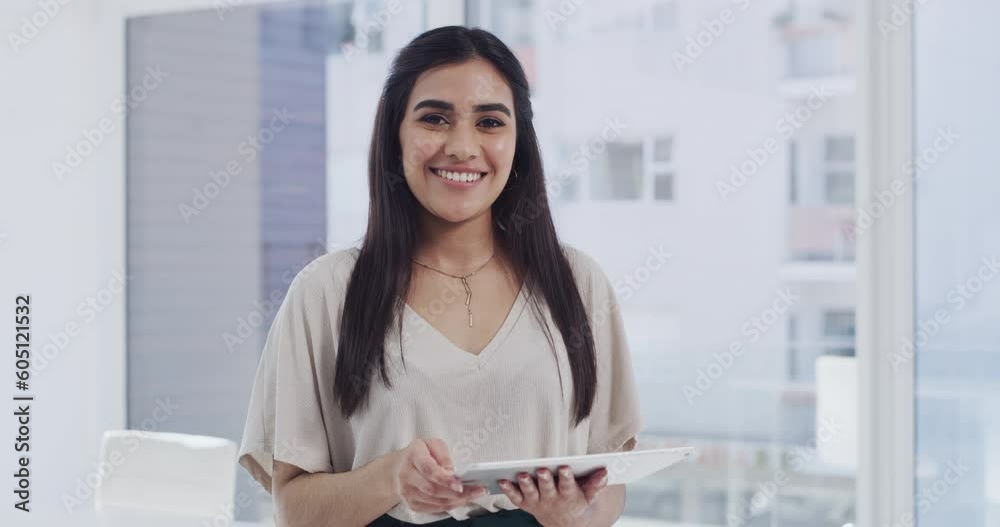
x=448 y=107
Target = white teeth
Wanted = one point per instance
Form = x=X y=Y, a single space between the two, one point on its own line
x=464 y=177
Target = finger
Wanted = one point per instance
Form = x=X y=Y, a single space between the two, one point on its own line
x=595 y=484
x=475 y=491
x=527 y=487
x=452 y=487
x=592 y=494
x=440 y=503
x=511 y=491
x=567 y=483
x=546 y=485
x=428 y=490
x=439 y=451
x=431 y=470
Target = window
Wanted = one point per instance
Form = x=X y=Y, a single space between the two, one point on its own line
x=838 y=332
x=625 y=170
x=818 y=37
x=957 y=267
x=752 y=417
x=618 y=173
x=663 y=169
x=314 y=30
x=838 y=156
x=663 y=189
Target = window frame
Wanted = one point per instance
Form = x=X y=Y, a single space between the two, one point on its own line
x=649 y=170
x=885 y=281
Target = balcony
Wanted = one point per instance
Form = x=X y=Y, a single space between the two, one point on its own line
x=820 y=241
x=819 y=45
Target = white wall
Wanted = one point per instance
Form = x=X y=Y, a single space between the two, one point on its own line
x=49 y=95
x=62 y=240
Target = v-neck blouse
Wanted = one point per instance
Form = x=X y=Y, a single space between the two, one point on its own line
x=511 y=401
x=412 y=319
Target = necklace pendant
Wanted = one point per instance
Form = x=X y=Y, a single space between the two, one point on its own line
x=470 y=319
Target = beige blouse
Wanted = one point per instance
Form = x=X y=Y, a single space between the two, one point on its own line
x=512 y=401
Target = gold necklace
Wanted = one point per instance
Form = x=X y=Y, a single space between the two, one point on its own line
x=465 y=282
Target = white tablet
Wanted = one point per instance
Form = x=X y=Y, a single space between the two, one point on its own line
x=623 y=467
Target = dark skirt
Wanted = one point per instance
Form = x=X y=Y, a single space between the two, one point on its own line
x=503 y=518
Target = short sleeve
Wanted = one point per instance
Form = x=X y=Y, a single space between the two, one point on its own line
x=615 y=417
x=285 y=421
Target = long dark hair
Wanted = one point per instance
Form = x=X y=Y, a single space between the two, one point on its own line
x=523 y=227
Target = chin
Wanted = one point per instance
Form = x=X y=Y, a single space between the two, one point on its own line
x=453 y=215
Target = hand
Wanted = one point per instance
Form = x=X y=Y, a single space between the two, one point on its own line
x=556 y=504
x=425 y=481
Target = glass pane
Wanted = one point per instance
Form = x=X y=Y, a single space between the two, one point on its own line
x=838 y=329
x=957 y=339
x=759 y=417
x=840 y=187
x=617 y=173
x=839 y=149
x=663 y=187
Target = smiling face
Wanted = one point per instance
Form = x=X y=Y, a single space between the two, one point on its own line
x=458 y=137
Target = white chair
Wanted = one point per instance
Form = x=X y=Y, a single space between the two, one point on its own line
x=166 y=472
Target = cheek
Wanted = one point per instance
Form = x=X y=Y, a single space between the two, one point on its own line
x=418 y=146
x=501 y=150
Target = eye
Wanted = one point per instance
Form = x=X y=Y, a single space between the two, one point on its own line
x=433 y=118
x=490 y=122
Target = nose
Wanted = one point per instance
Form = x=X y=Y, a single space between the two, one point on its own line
x=461 y=144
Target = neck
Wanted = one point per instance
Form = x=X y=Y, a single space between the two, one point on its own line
x=456 y=247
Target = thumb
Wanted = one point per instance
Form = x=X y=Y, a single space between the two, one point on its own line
x=439 y=451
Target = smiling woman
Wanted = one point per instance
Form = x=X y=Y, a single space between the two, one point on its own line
x=378 y=370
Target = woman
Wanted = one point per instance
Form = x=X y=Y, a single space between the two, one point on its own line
x=390 y=366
